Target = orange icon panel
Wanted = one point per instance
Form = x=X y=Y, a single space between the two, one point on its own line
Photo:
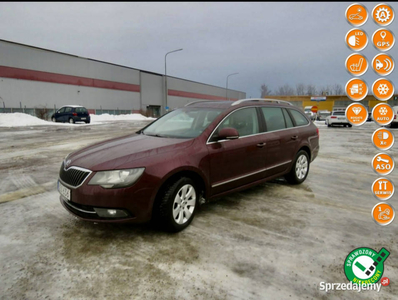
x=383 y=139
x=356 y=64
x=356 y=114
x=356 y=39
x=383 y=188
x=383 y=89
x=383 y=14
x=383 y=64
x=383 y=164
x=356 y=89
x=383 y=114
x=356 y=14
x=383 y=213
x=383 y=39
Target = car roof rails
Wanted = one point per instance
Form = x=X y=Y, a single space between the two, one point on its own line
x=261 y=99
x=190 y=103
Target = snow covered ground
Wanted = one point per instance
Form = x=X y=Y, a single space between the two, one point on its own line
x=21 y=119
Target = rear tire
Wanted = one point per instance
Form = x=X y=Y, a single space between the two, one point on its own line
x=349 y=125
x=71 y=121
x=177 y=205
x=300 y=168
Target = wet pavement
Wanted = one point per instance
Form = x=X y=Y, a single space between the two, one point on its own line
x=273 y=241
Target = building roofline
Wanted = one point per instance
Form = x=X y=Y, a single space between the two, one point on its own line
x=113 y=64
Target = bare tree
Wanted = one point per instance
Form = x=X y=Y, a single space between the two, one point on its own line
x=265 y=90
x=42 y=112
x=337 y=89
x=300 y=89
x=311 y=90
x=285 y=90
x=326 y=90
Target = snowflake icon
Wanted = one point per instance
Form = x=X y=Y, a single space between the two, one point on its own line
x=383 y=89
x=383 y=111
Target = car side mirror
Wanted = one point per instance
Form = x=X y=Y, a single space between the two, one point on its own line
x=228 y=133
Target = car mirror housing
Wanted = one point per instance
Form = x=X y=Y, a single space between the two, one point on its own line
x=228 y=133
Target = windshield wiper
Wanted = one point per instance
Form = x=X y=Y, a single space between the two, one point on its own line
x=156 y=135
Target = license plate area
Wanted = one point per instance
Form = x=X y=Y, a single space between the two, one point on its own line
x=64 y=191
x=83 y=118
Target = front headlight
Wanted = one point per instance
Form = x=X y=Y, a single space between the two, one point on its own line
x=117 y=178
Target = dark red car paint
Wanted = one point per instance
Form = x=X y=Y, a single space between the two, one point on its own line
x=213 y=163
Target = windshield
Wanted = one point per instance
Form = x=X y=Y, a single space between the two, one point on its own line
x=183 y=123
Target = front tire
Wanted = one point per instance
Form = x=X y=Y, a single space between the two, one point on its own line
x=53 y=119
x=300 y=168
x=177 y=206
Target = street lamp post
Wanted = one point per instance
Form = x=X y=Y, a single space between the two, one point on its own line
x=165 y=72
x=226 y=90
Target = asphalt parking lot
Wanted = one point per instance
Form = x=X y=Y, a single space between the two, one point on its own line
x=273 y=241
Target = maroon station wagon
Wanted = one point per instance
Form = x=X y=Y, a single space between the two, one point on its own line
x=188 y=157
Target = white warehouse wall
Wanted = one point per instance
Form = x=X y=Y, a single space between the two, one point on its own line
x=39 y=78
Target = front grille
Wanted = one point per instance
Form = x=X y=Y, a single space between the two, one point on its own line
x=73 y=176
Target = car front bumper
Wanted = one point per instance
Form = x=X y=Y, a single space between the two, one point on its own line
x=128 y=205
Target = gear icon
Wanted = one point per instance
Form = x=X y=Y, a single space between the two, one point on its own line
x=383 y=89
x=383 y=14
x=383 y=111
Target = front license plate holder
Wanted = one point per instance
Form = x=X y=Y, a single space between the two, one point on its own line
x=64 y=191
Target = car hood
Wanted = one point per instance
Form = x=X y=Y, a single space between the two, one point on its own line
x=124 y=152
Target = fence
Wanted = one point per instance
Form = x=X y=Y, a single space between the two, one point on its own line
x=37 y=112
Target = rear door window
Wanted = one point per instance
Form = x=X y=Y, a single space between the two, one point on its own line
x=68 y=109
x=298 y=118
x=274 y=119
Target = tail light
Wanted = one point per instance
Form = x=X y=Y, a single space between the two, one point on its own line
x=317 y=131
x=333 y=117
x=395 y=117
x=74 y=114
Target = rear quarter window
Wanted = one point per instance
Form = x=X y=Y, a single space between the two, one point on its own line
x=298 y=117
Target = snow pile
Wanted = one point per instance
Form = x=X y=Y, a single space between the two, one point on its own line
x=108 y=117
x=20 y=119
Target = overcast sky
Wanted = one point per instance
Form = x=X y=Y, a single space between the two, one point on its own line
x=271 y=43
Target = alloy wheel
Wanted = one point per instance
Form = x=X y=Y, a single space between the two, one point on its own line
x=301 y=166
x=184 y=204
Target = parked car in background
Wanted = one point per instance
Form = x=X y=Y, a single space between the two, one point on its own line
x=71 y=114
x=310 y=113
x=322 y=115
x=337 y=118
x=189 y=156
x=394 y=122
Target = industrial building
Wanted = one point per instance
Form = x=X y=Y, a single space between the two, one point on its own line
x=35 y=78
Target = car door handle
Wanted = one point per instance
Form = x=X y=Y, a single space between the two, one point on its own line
x=260 y=145
x=294 y=137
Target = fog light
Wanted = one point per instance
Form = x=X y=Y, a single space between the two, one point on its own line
x=111 y=213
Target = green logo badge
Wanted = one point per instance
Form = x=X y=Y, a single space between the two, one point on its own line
x=365 y=265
